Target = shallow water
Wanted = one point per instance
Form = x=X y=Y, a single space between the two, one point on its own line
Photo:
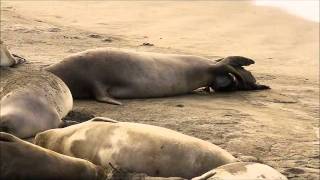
x=307 y=9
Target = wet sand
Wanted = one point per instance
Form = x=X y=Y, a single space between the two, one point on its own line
x=279 y=127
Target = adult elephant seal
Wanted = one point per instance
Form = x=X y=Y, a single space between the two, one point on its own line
x=108 y=73
x=23 y=160
x=135 y=147
x=7 y=59
x=241 y=171
x=33 y=102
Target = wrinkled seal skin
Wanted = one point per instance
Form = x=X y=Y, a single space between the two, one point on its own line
x=33 y=102
x=108 y=73
x=136 y=147
x=7 y=59
x=23 y=160
x=241 y=171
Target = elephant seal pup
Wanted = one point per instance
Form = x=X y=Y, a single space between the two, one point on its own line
x=7 y=59
x=33 y=102
x=23 y=160
x=241 y=171
x=108 y=73
x=135 y=147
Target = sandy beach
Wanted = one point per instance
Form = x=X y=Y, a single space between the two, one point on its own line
x=279 y=127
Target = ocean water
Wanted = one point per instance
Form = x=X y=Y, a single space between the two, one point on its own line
x=307 y=9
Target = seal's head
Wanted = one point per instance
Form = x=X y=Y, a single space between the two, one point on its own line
x=231 y=76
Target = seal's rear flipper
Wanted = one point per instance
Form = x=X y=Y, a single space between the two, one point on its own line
x=19 y=60
x=236 y=61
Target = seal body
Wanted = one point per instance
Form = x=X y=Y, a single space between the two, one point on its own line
x=33 y=102
x=7 y=59
x=135 y=147
x=108 y=73
x=241 y=171
x=23 y=160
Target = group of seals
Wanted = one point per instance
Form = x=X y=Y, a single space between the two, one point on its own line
x=41 y=100
x=37 y=101
x=136 y=147
x=152 y=150
x=108 y=73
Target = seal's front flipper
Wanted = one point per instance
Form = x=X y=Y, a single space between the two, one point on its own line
x=109 y=100
x=236 y=61
x=101 y=94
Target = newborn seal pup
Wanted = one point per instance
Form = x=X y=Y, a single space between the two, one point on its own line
x=23 y=160
x=7 y=59
x=33 y=102
x=108 y=73
x=242 y=171
x=135 y=147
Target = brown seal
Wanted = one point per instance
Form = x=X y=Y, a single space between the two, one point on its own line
x=108 y=73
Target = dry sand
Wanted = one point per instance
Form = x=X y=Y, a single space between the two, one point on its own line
x=280 y=127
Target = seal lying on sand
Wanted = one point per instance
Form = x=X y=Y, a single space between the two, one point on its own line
x=108 y=73
x=33 y=102
x=7 y=59
x=242 y=171
x=136 y=147
x=23 y=160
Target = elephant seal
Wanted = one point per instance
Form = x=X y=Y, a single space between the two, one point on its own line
x=241 y=171
x=7 y=59
x=23 y=160
x=108 y=73
x=135 y=147
x=33 y=102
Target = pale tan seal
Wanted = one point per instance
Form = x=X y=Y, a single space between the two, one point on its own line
x=136 y=147
x=7 y=59
x=109 y=73
x=242 y=171
x=23 y=160
x=33 y=102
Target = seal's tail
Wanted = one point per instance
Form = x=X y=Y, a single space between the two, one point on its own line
x=19 y=60
x=236 y=61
